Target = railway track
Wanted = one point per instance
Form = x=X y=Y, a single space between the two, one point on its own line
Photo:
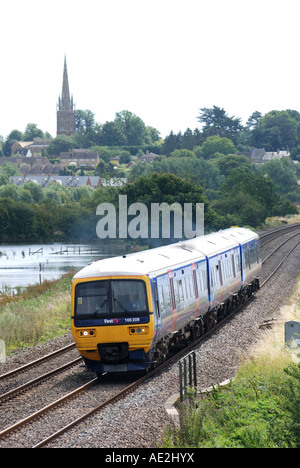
x=98 y=387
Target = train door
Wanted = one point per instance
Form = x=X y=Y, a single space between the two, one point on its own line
x=245 y=263
x=173 y=301
x=215 y=277
x=197 y=300
x=202 y=284
x=156 y=306
x=165 y=304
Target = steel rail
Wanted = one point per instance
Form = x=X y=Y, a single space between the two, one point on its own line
x=37 y=361
x=279 y=232
x=42 y=411
x=278 y=266
x=279 y=246
x=21 y=388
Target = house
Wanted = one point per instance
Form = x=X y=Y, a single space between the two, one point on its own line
x=25 y=162
x=260 y=155
x=148 y=157
x=21 y=147
x=29 y=148
x=41 y=169
x=115 y=161
x=68 y=181
x=79 y=158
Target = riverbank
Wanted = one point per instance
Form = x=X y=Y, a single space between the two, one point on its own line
x=37 y=314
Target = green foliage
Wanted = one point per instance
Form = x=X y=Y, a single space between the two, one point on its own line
x=277 y=129
x=217 y=122
x=239 y=193
x=247 y=198
x=202 y=172
x=292 y=402
x=167 y=188
x=260 y=409
x=38 y=313
x=216 y=144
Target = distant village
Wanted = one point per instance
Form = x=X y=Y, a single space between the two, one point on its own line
x=27 y=155
x=78 y=167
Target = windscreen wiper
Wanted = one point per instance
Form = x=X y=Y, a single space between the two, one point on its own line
x=99 y=307
x=121 y=305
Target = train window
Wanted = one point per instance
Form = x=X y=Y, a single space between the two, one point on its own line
x=110 y=298
x=161 y=299
x=92 y=298
x=180 y=290
x=205 y=280
x=238 y=262
x=233 y=265
x=212 y=279
x=199 y=281
x=128 y=296
x=252 y=254
x=258 y=252
x=167 y=297
x=188 y=286
x=246 y=259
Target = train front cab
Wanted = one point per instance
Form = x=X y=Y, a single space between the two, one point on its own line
x=113 y=322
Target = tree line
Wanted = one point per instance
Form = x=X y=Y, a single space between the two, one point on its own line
x=272 y=131
x=207 y=163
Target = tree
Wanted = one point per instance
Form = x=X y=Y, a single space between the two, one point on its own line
x=166 y=188
x=217 y=122
x=31 y=132
x=183 y=153
x=229 y=162
x=216 y=144
x=152 y=135
x=282 y=174
x=131 y=127
x=248 y=196
x=85 y=121
x=253 y=120
x=62 y=143
x=276 y=130
x=171 y=144
x=111 y=135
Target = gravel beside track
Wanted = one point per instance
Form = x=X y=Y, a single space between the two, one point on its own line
x=138 y=420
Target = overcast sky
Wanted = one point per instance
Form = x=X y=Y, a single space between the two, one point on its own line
x=163 y=60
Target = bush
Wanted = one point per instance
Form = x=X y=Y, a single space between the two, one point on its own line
x=261 y=408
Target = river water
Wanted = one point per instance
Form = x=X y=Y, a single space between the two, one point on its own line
x=23 y=265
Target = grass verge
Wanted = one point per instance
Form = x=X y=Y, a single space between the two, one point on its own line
x=38 y=314
x=260 y=408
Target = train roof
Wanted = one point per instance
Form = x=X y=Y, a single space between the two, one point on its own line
x=168 y=257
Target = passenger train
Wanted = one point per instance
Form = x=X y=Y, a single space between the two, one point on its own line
x=128 y=312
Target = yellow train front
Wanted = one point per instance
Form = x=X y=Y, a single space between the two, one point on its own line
x=112 y=317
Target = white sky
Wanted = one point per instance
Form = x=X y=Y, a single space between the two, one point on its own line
x=160 y=59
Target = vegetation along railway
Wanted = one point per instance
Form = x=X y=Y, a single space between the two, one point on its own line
x=70 y=395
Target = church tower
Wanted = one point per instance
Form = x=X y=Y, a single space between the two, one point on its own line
x=66 y=124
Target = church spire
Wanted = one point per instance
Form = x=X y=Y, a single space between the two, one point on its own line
x=65 y=103
x=65 y=110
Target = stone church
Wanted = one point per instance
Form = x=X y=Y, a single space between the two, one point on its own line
x=66 y=124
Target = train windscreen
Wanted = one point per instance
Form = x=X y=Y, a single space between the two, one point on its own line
x=110 y=298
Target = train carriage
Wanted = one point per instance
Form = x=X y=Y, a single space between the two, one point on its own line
x=129 y=311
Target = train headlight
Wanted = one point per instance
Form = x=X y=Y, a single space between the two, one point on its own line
x=138 y=330
x=86 y=333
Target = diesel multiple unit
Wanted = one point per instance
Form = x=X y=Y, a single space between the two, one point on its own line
x=128 y=312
